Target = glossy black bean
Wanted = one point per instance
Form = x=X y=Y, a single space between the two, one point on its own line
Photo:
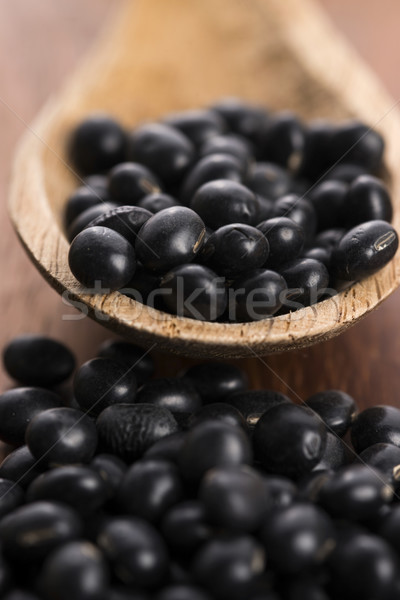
x=11 y=496
x=185 y=527
x=383 y=457
x=182 y=592
x=257 y=295
x=285 y=532
x=335 y=454
x=367 y=199
x=178 y=395
x=20 y=466
x=163 y=149
x=316 y=140
x=336 y=408
x=356 y=143
x=170 y=238
x=265 y=208
x=355 y=492
x=194 y=291
x=156 y=202
x=307 y=280
x=300 y=210
x=363 y=566
x=309 y=486
x=125 y=220
x=102 y=382
x=136 y=551
x=97 y=144
x=143 y=287
x=322 y=255
x=139 y=360
x=213 y=444
x=231 y=144
x=268 y=180
x=87 y=216
x=298 y=431
x=198 y=125
x=329 y=238
x=80 y=200
x=30 y=532
x=150 y=488
x=38 y=360
x=62 y=436
x=283 y=141
x=253 y=404
x=218 y=411
x=389 y=527
x=281 y=490
x=235 y=498
x=167 y=448
x=234 y=249
x=128 y=430
x=345 y=172
x=80 y=487
x=111 y=469
x=129 y=182
x=328 y=200
x=97 y=182
x=77 y=570
x=17 y=409
x=228 y=567
x=285 y=239
x=216 y=380
x=211 y=168
x=241 y=117
x=222 y=202
x=99 y=256
x=374 y=425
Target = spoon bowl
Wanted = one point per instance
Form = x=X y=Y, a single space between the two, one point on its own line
x=161 y=56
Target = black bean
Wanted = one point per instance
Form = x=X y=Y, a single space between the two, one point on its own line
x=167 y=448
x=257 y=295
x=222 y=202
x=383 y=457
x=123 y=592
x=97 y=182
x=322 y=255
x=253 y=404
x=156 y=202
x=235 y=498
x=328 y=200
x=149 y=488
x=111 y=469
x=303 y=588
x=185 y=527
x=17 y=409
x=213 y=444
x=345 y=172
x=80 y=487
x=307 y=280
x=162 y=149
x=218 y=411
x=389 y=527
x=30 y=532
x=374 y=425
x=283 y=141
x=367 y=200
x=317 y=138
x=169 y=238
x=285 y=239
x=216 y=380
x=356 y=143
x=242 y=117
x=269 y=180
x=281 y=490
x=136 y=551
x=329 y=238
x=77 y=570
x=182 y=592
x=284 y=534
x=234 y=249
x=100 y=256
x=19 y=594
x=128 y=430
x=194 y=291
x=20 y=466
x=61 y=436
x=300 y=210
x=125 y=220
x=355 y=492
x=11 y=496
x=231 y=144
x=133 y=356
x=97 y=144
x=309 y=486
x=266 y=208
x=143 y=287
x=178 y=395
x=298 y=431
x=88 y=216
x=334 y=455
x=211 y=168
x=198 y=125
x=336 y=408
x=102 y=382
x=80 y=200
x=129 y=182
x=228 y=567
x=38 y=360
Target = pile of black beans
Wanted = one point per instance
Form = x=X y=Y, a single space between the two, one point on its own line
x=229 y=213
x=128 y=487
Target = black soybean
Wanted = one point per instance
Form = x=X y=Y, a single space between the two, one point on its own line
x=125 y=220
x=198 y=125
x=211 y=168
x=87 y=216
x=242 y=118
x=218 y=411
x=328 y=199
x=111 y=469
x=129 y=182
x=356 y=143
x=383 y=457
x=269 y=180
x=185 y=526
x=156 y=202
x=377 y=424
x=285 y=239
x=178 y=395
x=336 y=408
x=80 y=200
x=253 y=404
x=139 y=360
x=283 y=141
x=232 y=144
x=300 y=210
x=20 y=466
x=11 y=496
x=307 y=280
x=367 y=200
x=216 y=380
x=256 y=295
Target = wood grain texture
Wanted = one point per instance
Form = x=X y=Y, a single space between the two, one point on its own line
x=364 y=361
x=266 y=53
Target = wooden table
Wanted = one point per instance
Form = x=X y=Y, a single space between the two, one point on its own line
x=40 y=43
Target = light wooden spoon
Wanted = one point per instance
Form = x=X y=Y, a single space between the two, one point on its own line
x=166 y=55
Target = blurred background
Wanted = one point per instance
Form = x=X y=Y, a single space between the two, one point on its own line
x=40 y=44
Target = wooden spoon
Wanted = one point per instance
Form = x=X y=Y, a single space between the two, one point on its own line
x=166 y=55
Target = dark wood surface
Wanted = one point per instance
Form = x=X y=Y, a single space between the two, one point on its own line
x=40 y=43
